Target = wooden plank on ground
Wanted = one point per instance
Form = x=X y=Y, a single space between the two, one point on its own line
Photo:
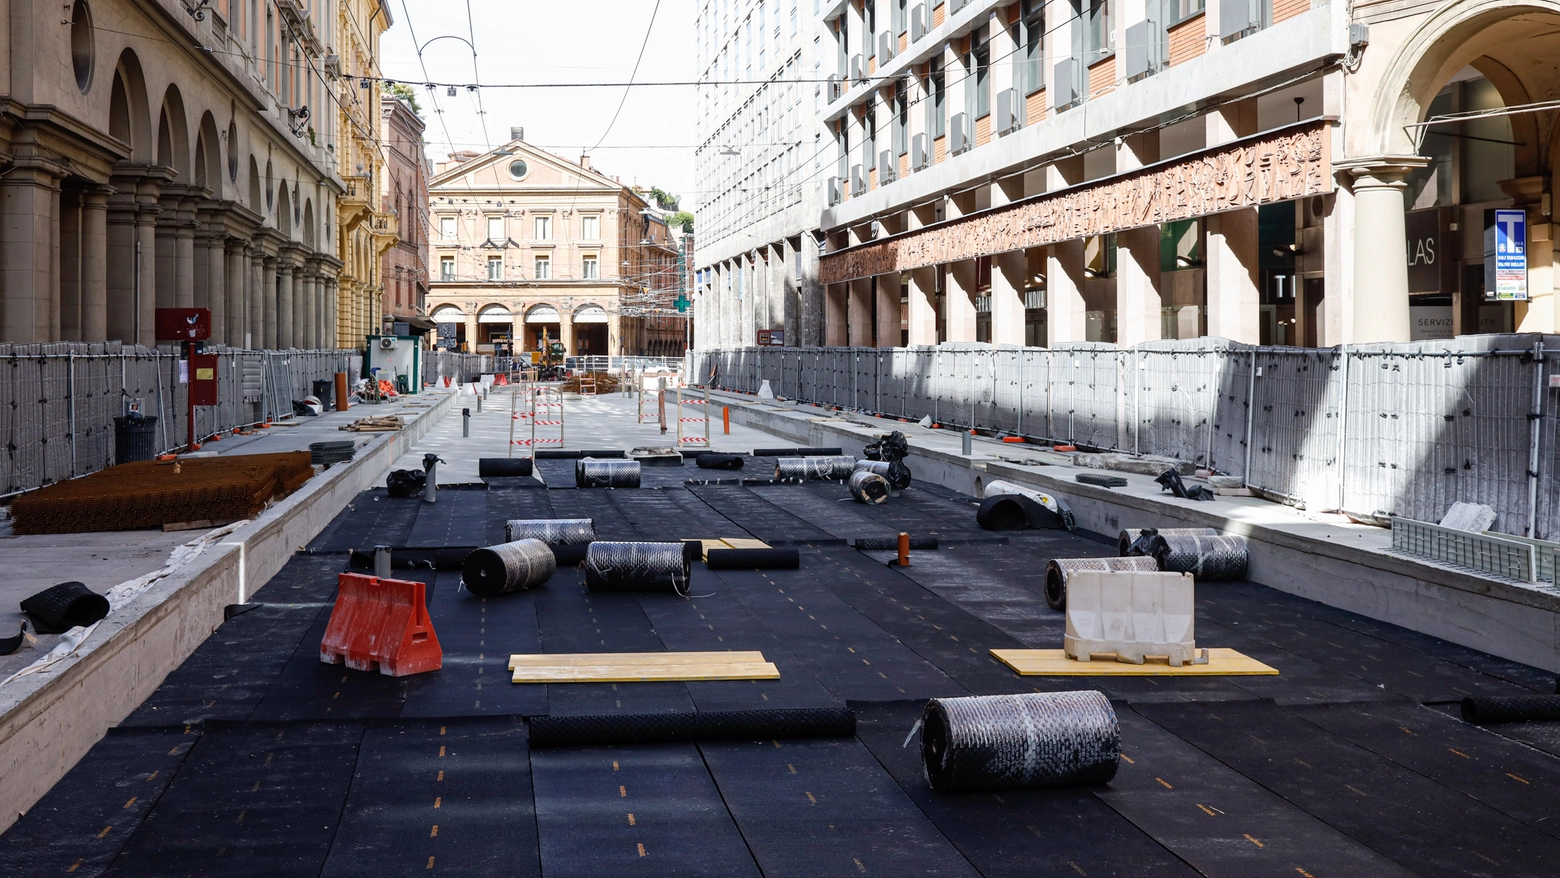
x=742 y=543
x=630 y=667
x=1055 y=663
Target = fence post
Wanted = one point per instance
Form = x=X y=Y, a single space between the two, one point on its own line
x=72 y=392
x=1021 y=391
x=1343 y=425
x=1137 y=401
x=1535 y=421
x=937 y=385
x=1251 y=406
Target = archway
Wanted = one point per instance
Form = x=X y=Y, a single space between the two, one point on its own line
x=590 y=331
x=542 y=323
x=309 y=239
x=451 y=327
x=494 y=328
x=284 y=213
x=129 y=118
x=173 y=135
x=208 y=156
x=255 y=203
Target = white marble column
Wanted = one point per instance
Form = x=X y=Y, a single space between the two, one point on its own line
x=1138 y=296
x=923 y=306
x=1007 y=297
x=1067 y=316
x=959 y=300
x=1380 y=240
x=1234 y=297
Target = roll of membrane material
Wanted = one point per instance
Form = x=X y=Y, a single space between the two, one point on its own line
x=1051 y=503
x=1208 y=558
x=648 y=567
x=1040 y=739
x=593 y=472
x=1059 y=570
x=507 y=567
x=836 y=468
x=552 y=531
x=869 y=487
x=1130 y=535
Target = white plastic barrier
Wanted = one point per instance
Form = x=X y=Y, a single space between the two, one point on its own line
x=1133 y=614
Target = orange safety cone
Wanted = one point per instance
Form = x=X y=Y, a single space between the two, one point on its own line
x=383 y=625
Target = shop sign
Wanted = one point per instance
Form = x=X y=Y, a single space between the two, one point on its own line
x=1506 y=255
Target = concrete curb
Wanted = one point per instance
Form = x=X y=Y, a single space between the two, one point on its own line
x=50 y=719
x=1506 y=619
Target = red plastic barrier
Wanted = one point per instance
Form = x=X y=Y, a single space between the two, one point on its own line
x=381 y=624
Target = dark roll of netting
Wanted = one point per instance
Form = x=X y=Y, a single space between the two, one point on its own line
x=869 y=487
x=1210 y=559
x=1061 y=569
x=897 y=474
x=555 y=454
x=666 y=728
x=837 y=468
x=443 y=558
x=873 y=466
x=591 y=472
x=508 y=567
x=503 y=467
x=1490 y=709
x=1007 y=512
x=552 y=531
x=891 y=544
x=606 y=453
x=1131 y=534
x=796 y=452
x=716 y=460
x=640 y=566
x=59 y=608
x=753 y=559
x=1040 y=739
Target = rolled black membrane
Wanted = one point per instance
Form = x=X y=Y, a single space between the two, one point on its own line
x=665 y=728
x=503 y=467
x=753 y=559
x=796 y=452
x=869 y=487
x=9 y=645
x=555 y=454
x=1041 y=739
x=508 y=567
x=59 y=608
x=715 y=460
x=1059 y=570
x=837 y=468
x=891 y=544
x=1009 y=512
x=1129 y=536
x=567 y=537
x=443 y=558
x=897 y=474
x=1210 y=559
x=1491 y=709
x=650 y=567
x=590 y=472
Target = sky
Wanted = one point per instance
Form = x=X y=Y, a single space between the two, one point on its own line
x=555 y=41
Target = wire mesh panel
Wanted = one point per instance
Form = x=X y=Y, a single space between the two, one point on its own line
x=1034 y=392
x=1084 y=387
x=863 y=364
x=1171 y=397
x=1547 y=524
x=1295 y=422
x=1006 y=388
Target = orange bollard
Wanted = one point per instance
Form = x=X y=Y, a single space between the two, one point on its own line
x=904 y=550
x=341 y=391
x=725 y=419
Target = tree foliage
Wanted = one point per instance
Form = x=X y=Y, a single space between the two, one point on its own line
x=682 y=219
x=405 y=93
x=663 y=199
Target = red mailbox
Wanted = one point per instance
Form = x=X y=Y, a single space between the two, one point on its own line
x=183 y=324
x=203 y=379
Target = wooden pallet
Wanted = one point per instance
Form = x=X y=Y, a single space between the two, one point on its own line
x=641 y=667
x=1055 y=663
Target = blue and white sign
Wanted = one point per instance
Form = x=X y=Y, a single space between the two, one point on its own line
x=1511 y=255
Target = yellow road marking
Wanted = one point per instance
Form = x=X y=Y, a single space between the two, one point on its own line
x=1207 y=810
x=1166 y=785
x=435 y=832
x=1361 y=792
x=430 y=863
x=1254 y=841
x=441 y=774
x=641 y=847
x=622 y=792
x=810 y=798
x=792 y=767
x=441 y=751
x=1518 y=779
x=631 y=818
x=105 y=831
x=131 y=802
x=76 y=865
x=1459 y=753
x=437 y=801
x=1129 y=759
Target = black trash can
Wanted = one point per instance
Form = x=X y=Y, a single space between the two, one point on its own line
x=325 y=392
x=134 y=439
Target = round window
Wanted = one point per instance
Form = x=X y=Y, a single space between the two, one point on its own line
x=81 y=50
x=517 y=169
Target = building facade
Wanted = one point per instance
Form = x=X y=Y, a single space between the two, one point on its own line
x=403 y=197
x=365 y=231
x=136 y=173
x=528 y=248
x=1270 y=171
x=761 y=161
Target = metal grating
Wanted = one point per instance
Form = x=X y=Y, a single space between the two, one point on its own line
x=1480 y=552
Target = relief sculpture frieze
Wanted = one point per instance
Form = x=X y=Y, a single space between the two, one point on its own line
x=1288 y=164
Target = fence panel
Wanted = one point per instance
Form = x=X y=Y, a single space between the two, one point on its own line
x=1547 y=517
x=1084 y=387
x=1296 y=416
x=1007 y=376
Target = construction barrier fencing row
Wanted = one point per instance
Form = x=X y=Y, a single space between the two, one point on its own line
x=1377 y=431
x=58 y=401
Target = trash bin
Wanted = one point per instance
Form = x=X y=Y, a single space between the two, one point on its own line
x=325 y=392
x=134 y=439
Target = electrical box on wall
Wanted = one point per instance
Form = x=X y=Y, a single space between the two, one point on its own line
x=395 y=356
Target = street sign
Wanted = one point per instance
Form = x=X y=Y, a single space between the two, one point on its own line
x=1510 y=255
x=771 y=337
x=183 y=324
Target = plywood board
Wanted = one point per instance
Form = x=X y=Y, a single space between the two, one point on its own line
x=641 y=667
x=1055 y=663
x=737 y=543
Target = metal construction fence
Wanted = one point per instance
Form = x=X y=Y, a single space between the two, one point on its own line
x=1373 y=430
x=459 y=368
x=58 y=401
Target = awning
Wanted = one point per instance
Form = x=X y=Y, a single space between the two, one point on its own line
x=417 y=322
x=495 y=314
x=542 y=314
x=591 y=314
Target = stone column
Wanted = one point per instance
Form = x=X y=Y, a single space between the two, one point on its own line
x=184 y=264
x=1007 y=297
x=302 y=285
x=255 y=268
x=122 y=230
x=270 y=320
x=472 y=327
x=167 y=253
x=1138 y=296
x=146 y=254
x=1380 y=242
x=236 y=308
x=1067 y=317
x=1538 y=314
x=1234 y=297
x=284 y=305
x=70 y=249
x=332 y=321
x=836 y=322
x=94 y=264
x=516 y=329
x=615 y=339
x=959 y=300
x=923 y=306
x=201 y=265
x=29 y=290
x=217 y=289
x=860 y=314
x=565 y=328
x=890 y=317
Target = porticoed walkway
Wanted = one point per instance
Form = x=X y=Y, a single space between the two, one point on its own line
x=255 y=758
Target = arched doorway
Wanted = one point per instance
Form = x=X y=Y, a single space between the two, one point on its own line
x=494 y=325
x=590 y=331
x=541 y=327
x=451 y=331
x=1481 y=58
